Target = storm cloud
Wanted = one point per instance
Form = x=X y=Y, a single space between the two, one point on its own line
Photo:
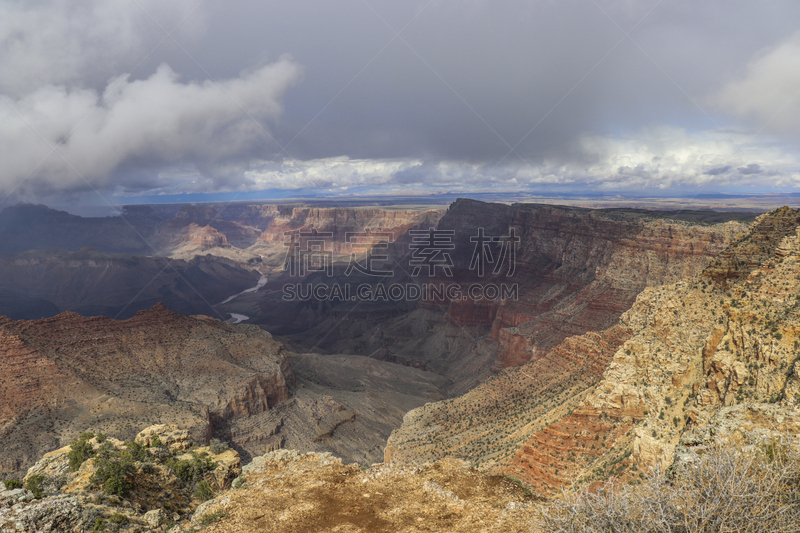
x=150 y=97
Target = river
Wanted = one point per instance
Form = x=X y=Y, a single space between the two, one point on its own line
x=235 y=317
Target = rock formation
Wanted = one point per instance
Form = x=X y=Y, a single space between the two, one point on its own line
x=576 y=270
x=287 y=492
x=155 y=491
x=61 y=375
x=713 y=354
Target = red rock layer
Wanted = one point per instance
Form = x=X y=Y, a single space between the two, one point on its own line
x=204 y=236
x=493 y=421
x=575 y=270
x=553 y=457
x=61 y=375
x=383 y=224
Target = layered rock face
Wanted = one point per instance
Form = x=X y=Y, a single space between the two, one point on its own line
x=491 y=422
x=709 y=355
x=204 y=236
x=578 y=269
x=341 y=220
x=61 y=375
x=575 y=270
x=190 y=230
x=64 y=374
x=378 y=224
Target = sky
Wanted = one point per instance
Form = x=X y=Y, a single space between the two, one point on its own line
x=109 y=101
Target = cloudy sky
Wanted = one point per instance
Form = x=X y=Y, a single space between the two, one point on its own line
x=118 y=99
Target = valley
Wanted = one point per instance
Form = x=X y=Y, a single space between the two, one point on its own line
x=264 y=372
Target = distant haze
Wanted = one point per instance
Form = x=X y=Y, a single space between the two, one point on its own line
x=104 y=102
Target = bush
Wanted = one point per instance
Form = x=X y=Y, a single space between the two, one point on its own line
x=203 y=491
x=113 y=470
x=12 y=484
x=34 y=484
x=118 y=519
x=722 y=490
x=80 y=450
x=137 y=452
x=113 y=476
x=217 y=446
x=192 y=470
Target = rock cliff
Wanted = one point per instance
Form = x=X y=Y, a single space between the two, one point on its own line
x=716 y=350
x=61 y=375
x=575 y=271
x=66 y=373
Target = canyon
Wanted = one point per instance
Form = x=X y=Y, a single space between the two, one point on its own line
x=62 y=375
x=709 y=358
x=513 y=385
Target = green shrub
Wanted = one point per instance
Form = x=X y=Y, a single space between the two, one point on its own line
x=113 y=471
x=34 y=484
x=118 y=519
x=203 y=491
x=192 y=470
x=80 y=450
x=12 y=484
x=137 y=452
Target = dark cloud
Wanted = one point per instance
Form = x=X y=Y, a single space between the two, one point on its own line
x=752 y=168
x=613 y=94
x=716 y=171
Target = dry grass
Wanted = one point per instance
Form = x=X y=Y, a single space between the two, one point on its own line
x=723 y=490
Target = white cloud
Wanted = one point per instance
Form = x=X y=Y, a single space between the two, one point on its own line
x=151 y=122
x=666 y=159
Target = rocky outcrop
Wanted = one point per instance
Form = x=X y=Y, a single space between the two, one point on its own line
x=712 y=358
x=490 y=423
x=741 y=426
x=170 y=436
x=381 y=224
x=286 y=491
x=62 y=374
x=578 y=270
x=157 y=490
x=757 y=246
